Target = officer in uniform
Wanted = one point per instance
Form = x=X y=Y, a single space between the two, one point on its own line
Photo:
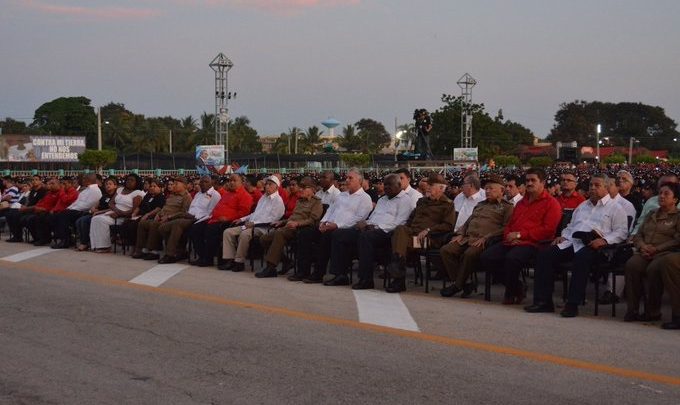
x=670 y=273
x=489 y=217
x=433 y=214
x=307 y=212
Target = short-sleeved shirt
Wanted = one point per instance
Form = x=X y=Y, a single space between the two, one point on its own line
x=151 y=202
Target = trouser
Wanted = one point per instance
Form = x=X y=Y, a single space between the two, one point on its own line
x=423 y=145
x=63 y=222
x=128 y=231
x=343 y=249
x=670 y=274
x=369 y=243
x=636 y=269
x=39 y=225
x=460 y=261
x=402 y=240
x=236 y=241
x=14 y=217
x=83 y=229
x=544 y=276
x=174 y=235
x=207 y=239
x=313 y=246
x=274 y=242
x=148 y=236
x=510 y=260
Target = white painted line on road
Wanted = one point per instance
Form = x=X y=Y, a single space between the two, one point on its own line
x=159 y=274
x=29 y=254
x=380 y=308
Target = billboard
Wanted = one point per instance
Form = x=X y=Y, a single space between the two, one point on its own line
x=210 y=159
x=41 y=148
x=469 y=154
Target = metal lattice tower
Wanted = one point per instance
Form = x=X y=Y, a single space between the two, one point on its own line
x=221 y=65
x=466 y=83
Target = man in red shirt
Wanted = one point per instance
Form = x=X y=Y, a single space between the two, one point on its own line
x=293 y=195
x=569 y=198
x=534 y=220
x=206 y=236
x=38 y=223
x=251 y=187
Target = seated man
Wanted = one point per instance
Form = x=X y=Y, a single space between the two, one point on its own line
x=405 y=181
x=467 y=200
x=236 y=240
x=349 y=207
x=392 y=209
x=597 y=222
x=569 y=198
x=38 y=222
x=206 y=236
x=461 y=254
x=88 y=198
x=308 y=210
x=433 y=214
x=149 y=238
x=16 y=218
x=534 y=219
x=670 y=273
x=174 y=232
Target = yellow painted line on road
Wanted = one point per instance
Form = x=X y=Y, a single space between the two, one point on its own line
x=468 y=344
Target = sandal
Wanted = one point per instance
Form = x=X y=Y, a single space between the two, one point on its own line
x=82 y=248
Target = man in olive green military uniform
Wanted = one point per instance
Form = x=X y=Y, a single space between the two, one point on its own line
x=670 y=273
x=434 y=214
x=308 y=211
x=489 y=217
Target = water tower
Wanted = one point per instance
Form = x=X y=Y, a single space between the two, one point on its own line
x=331 y=123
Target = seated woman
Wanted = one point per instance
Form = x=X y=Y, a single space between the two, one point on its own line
x=83 y=223
x=152 y=202
x=122 y=205
x=657 y=236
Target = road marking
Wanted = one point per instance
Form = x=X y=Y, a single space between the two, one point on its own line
x=380 y=308
x=29 y=254
x=443 y=340
x=159 y=274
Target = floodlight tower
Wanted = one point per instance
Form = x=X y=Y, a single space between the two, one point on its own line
x=221 y=66
x=466 y=83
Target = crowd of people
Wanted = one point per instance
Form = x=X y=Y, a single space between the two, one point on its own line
x=559 y=219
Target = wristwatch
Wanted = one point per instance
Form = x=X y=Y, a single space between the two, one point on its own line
x=519 y=235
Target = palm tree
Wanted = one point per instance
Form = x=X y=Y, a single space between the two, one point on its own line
x=312 y=140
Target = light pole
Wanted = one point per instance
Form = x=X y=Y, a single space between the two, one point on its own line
x=630 y=150
x=597 y=143
x=397 y=141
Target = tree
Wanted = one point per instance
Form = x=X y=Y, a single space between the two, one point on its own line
x=349 y=140
x=578 y=120
x=312 y=140
x=615 y=158
x=67 y=116
x=644 y=159
x=117 y=125
x=372 y=135
x=13 y=127
x=97 y=159
x=540 y=161
x=506 y=161
x=242 y=137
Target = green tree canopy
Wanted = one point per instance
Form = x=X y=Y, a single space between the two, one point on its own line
x=372 y=135
x=242 y=137
x=67 y=116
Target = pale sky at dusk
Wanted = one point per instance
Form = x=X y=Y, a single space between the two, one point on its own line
x=297 y=62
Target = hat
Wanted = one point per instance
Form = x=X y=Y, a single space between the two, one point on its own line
x=307 y=182
x=626 y=175
x=494 y=178
x=436 y=179
x=274 y=180
x=180 y=179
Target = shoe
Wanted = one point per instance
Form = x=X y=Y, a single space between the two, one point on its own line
x=199 y=263
x=449 y=291
x=540 y=307
x=238 y=267
x=313 y=279
x=137 y=255
x=59 y=245
x=337 y=280
x=608 y=298
x=286 y=266
x=167 y=259
x=467 y=290
x=631 y=317
x=650 y=318
x=363 y=285
x=41 y=243
x=296 y=277
x=397 y=285
x=674 y=324
x=228 y=265
x=151 y=256
x=569 y=311
x=14 y=240
x=269 y=271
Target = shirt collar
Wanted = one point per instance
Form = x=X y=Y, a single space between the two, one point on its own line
x=604 y=200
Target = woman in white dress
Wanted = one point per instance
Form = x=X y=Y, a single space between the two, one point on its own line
x=121 y=206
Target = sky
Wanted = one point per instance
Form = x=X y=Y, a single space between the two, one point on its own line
x=298 y=62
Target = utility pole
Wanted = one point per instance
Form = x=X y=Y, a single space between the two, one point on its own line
x=99 y=128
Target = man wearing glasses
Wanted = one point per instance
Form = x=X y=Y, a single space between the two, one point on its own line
x=569 y=198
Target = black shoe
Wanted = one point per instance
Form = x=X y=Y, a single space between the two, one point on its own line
x=608 y=298
x=59 y=245
x=296 y=277
x=650 y=318
x=674 y=324
x=467 y=290
x=286 y=266
x=200 y=263
x=41 y=243
x=269 y=271
x=14 y=240
x=631 y=317
x=167 y=259
x=337 y=280
x=569 y=311
x=313 y=279
x=540 y=307
x=397 y=285
x=238 y=267
x=137 y=255
x=449 y=291
x=151 y=256
x=363 y=285
x=228 y=265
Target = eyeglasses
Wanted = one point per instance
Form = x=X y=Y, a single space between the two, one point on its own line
x=568 y=180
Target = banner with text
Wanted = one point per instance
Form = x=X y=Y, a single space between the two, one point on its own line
x=465 y=154
x=41 y=148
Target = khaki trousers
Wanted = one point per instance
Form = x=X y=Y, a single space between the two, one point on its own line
x=670 y=274
x=274 y=243
x=638 y=268
x=148 y=236
x=235 y=242
x=460 y=261
x=174 y=234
